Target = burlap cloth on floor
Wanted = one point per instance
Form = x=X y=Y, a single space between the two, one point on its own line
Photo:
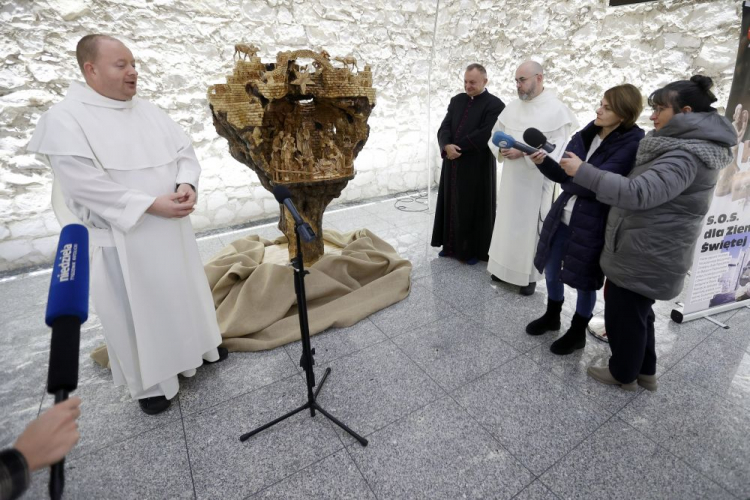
x=253 y=288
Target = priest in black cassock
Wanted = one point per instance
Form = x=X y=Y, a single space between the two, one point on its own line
x=465 y=212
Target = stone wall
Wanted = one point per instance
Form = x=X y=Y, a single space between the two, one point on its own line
x=585 y=47
x=182 y=47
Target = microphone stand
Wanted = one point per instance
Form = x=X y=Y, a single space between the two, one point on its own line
x=306 y=361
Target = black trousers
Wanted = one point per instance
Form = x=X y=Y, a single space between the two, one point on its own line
x=629 y=321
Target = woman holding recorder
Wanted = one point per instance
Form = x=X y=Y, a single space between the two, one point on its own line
x=656 y=217
x=572 y=236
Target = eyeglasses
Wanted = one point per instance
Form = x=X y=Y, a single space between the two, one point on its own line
x=656 y=110
x=525 y=79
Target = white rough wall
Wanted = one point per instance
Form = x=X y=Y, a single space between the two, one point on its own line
x=185 y=46
x=585 y=47
x=181 y=48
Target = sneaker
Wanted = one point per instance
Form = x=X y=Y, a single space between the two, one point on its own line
x=528 y=289
x=603 y=375
x=648 y=382
x=473 y=261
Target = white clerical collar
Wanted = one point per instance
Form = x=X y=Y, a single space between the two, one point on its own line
x=79 y=91
x=481 y=93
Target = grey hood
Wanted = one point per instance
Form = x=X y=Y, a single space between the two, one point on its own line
x=709 y=136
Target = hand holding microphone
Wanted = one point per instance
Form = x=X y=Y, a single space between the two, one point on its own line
x=570 y=163
x=67 y=308
x=538 y=140
x=505 y=141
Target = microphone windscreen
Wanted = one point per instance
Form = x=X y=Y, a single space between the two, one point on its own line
x=502 y=140
x=534 y=138
x=281 y=193
x=69 y=286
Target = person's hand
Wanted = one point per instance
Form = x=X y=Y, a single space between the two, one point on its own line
x=571 y=163
x=188 y=194
x=46 y=440
x=538 y=157
x=739 y=120
x=741 y=186
x=169 y=206
x=511 y=153
x=452 y=151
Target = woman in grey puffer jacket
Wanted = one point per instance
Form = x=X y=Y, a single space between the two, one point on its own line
x=656 y=217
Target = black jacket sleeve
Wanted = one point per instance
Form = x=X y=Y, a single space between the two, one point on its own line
x=14 y=474
x=444 y=134
x=479 y=137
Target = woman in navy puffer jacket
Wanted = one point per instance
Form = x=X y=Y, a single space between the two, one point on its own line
x=572 y=236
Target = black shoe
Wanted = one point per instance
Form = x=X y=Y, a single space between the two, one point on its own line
x=223 y=354
x=152 y=406
x=495 y=278
x=528 y=289
x=574 y=338
x=549 y=321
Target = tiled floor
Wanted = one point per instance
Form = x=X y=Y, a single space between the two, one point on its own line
x=455 y=399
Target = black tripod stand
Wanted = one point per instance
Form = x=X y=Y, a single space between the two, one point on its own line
x=306 y=361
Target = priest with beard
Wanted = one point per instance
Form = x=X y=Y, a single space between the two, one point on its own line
x=465 y=211
x=525 y=194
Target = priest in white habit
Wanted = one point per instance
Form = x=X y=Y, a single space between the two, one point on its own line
x=124 y=169
x=525 y=194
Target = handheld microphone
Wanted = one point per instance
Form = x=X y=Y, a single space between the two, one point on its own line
x=503 y=140
x=284 y=197
x=537 y=139
x=67 y=308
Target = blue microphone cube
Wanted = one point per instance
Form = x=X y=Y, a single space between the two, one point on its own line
x=69 y=286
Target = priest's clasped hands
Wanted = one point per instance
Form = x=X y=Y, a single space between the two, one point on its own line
x=174 y=205
x=452 y=151
x=570 y=162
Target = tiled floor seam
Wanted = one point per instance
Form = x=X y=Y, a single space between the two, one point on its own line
x=187 y=447
x=450 y=395
x=468 y=382
x=497 y=441
x=269 y=486
x=220 y=403
x=587 y=436
x=364 y=478
x=681 y=459
x=124 y=440
x=515 y=497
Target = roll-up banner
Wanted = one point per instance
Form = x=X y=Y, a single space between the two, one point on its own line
x=720 y=277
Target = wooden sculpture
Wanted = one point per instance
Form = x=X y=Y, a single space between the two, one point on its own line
x=299 y=125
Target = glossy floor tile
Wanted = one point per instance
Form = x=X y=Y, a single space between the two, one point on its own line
x=456 y=400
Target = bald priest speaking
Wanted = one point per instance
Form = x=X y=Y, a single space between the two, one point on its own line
x=124 y=169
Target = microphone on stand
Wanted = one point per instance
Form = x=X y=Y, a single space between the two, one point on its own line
x=538 y=140
x=67 y=308
x=284 y=197
x=503 y=140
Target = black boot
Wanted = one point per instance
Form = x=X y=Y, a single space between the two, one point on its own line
x=549 y=321
x=574 y=338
